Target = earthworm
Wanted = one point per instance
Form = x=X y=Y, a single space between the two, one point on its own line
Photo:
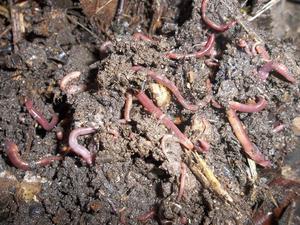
x=211 y=24
x=172 y=87
x=203 y=146
x=15 y=158
x=257 y=107
x=128 y=106
x=281 y=69
x=216 y=104
x=39 y=117
x=182 y=180
x=47 y=160
x=68 y=88
x=261 y=50
x=149 y=106
x=281 y=181
x=142 y=37
x=243 y=44
x=249 y=148
x=183 y=220
x=146 y=216
x=212 y=62
x=203 y=52
x=79 y=149
x=114 y=133
x=279 y=128
x=261 y=218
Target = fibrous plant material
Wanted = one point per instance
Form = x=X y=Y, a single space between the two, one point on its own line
x=206 y=176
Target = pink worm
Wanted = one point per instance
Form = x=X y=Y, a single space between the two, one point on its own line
x=249 y=148
x=128 y=106
x=15 y=158
x=149 y=106
x=79 y=149
x=142 y=37
x=281 y=69
x=171 y=86
x=261 y=218
x=39 y=117
x=262 y=51
x=278 y=128
x=243 y=44
x=257 y=107
x=71 y=89
x=219 y=28
x=203 y=146
x=146 y=216
x=205 y=51
x=212 y=62
x=182 y=181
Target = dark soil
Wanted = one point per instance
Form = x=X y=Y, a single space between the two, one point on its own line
x=132 y=175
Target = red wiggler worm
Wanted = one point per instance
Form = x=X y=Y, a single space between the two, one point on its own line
x=281 y=69
x=203 y=52
x=257 y=107
x=149 y=106
x=39 y=117
x=249 y=148
x=13 y=154
x=79 y=149
x=211 y=24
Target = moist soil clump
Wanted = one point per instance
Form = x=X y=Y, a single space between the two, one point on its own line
x=166 y=140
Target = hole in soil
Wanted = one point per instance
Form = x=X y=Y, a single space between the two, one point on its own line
x=159 y=173
x=185 y=11
x=92 y=80
x=134 y=157
x=152 y=160
x=40 y=132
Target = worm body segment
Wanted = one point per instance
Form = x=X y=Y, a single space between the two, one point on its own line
x=39 y=117
x=183 y=170
x=203 y=52
x=128 y=107
x=211 y=24
x=281 y=69
x=249 y=148
x=149 y=106
x=69 y=88
x=79 y=149
x=257 y=107
x=170 y=85
x=15 y=158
